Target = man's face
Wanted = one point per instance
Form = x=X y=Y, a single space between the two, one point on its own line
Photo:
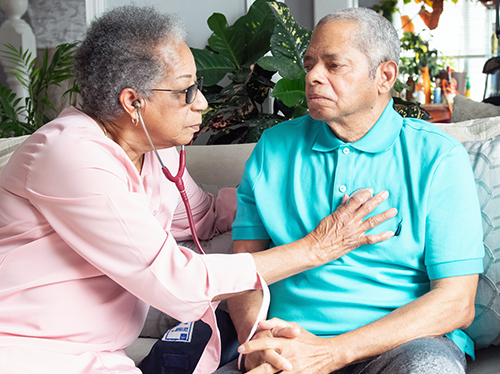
x=338 y=84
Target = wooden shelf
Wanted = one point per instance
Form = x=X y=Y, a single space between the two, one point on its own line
x=439 y=112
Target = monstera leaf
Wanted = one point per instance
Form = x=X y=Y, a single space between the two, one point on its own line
x=288 y=44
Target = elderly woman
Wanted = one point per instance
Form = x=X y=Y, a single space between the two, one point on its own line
x=88 y=221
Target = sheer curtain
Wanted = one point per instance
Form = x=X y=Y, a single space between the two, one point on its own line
x=464 y=32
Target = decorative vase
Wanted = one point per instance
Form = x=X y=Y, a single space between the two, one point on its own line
x=409 y=93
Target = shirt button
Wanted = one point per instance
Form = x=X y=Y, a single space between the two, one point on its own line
x=346 y=150
x=342 y=188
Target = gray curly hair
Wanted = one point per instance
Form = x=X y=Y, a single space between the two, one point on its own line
x=376 y=38
x=120 y=51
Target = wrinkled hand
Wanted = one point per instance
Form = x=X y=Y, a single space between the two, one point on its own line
x=258 y=358
x=343 y=230
x=281 y=345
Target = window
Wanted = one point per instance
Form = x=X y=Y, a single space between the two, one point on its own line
x=464 y=32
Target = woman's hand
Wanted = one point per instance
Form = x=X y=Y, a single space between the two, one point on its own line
x=337 y=234
x=343 y=230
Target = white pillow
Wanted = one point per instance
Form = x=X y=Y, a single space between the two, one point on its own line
x=476 y=129
x=485 y=160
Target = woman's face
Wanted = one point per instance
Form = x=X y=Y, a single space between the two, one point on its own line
x=169 y=120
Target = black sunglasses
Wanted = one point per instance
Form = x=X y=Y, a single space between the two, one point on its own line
x=190 y=92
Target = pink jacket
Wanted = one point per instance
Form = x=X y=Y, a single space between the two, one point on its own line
x=87 y=243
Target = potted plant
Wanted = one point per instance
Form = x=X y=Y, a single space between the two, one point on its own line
x=415 y=55
x=22 y=118
x=239 y=53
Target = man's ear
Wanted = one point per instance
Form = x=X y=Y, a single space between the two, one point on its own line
x=127 y=97
x=388 y=71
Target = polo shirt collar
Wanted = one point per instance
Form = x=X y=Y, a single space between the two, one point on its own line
x=380 y=137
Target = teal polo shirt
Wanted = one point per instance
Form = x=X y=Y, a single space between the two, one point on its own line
x=298 y=174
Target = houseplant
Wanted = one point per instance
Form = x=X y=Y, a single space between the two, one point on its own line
x=415 y=55
x=22 y=118
x=238 y=53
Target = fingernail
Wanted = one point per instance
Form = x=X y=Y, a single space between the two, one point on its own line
x=384 y=194
x=287 y=366
x=241 y=348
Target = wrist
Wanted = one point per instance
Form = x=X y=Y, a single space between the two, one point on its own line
x=313 y=254
x=343 y=354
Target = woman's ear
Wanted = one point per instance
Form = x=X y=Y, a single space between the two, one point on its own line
x=388 y=74
x=127 y=98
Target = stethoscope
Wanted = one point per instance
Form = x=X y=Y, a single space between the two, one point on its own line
x=177 y=179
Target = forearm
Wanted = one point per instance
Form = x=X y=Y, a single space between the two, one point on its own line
x=284 y=261
x=437 y=313
x=273 y=265
x=243 y=310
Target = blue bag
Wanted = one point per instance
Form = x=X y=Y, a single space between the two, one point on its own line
x=179 y=351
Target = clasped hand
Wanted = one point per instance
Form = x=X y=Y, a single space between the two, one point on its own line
x=281 y=345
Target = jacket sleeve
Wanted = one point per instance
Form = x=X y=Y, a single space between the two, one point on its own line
x=213 y=215
x=91 y=205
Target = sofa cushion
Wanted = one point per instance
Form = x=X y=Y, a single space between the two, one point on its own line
x=487 y=361
x=156 y=324
x=474 y=129
x=210 y=163
x=485 y=161
x=465 y=109
x=7 y=148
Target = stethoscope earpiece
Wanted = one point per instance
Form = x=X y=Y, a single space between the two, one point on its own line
x=177 y=179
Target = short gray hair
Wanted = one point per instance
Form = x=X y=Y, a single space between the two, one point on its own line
x=120 y=50
x=376 y=38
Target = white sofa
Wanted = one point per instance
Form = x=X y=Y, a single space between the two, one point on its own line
x=223 y=166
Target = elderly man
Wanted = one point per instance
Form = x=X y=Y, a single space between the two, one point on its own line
x=391 y=307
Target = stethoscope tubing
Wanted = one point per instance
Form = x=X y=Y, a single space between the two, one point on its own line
x=177 y=180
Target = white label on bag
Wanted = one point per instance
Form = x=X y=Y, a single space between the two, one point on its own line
x=180 y=333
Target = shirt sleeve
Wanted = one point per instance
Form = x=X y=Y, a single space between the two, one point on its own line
x=453 y=207
x=88 y=198
x=248 y=224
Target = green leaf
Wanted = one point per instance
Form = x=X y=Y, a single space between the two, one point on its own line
x=291 y=91
x=289 y=42
x=229 y=42
x=211 y=66
x=45 y=100
x=400 y=86
x=6 y=103
x=258 y=25
x=300 y=110
x=268 y=63
x=262 y=122
x=37 y=81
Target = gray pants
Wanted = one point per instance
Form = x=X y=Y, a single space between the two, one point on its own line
x=419 y=356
